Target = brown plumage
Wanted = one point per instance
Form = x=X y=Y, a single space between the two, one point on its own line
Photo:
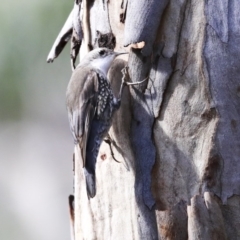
x=90 y=105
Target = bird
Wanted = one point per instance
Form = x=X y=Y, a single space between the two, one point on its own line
x=90 y=105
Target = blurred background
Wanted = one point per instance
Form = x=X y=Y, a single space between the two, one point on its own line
x=35 y=142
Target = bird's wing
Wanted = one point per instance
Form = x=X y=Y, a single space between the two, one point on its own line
x=83 y=111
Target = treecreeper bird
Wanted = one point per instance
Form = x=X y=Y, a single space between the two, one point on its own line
x=91 y=105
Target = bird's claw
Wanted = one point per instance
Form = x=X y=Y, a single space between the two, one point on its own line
x=135 y=83
x=109 y=141
x=126 y=76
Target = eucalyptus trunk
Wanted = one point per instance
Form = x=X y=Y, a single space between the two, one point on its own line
x=176 y=137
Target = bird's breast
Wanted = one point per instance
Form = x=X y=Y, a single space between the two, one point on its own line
x=105 y=99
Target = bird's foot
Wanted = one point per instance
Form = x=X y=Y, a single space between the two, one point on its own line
x=109 y=141
x=127 y=77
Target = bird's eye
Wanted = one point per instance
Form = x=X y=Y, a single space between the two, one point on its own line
x=102 y=52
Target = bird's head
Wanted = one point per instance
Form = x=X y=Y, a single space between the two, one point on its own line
x=100 y=58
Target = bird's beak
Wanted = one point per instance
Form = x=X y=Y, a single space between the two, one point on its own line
x=120 y=53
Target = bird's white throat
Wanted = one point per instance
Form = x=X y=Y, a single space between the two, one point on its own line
x=103 y=64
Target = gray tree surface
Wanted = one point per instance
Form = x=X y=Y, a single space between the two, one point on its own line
x=177 y=136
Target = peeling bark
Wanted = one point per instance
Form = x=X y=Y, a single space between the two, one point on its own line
x=62 y=39
x=142 y=21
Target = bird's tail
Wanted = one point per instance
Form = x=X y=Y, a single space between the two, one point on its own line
x=90 y=183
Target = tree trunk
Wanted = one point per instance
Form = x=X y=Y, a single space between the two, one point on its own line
x=177 y=136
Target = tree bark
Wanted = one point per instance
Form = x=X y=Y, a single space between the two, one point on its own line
x=177 y=136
